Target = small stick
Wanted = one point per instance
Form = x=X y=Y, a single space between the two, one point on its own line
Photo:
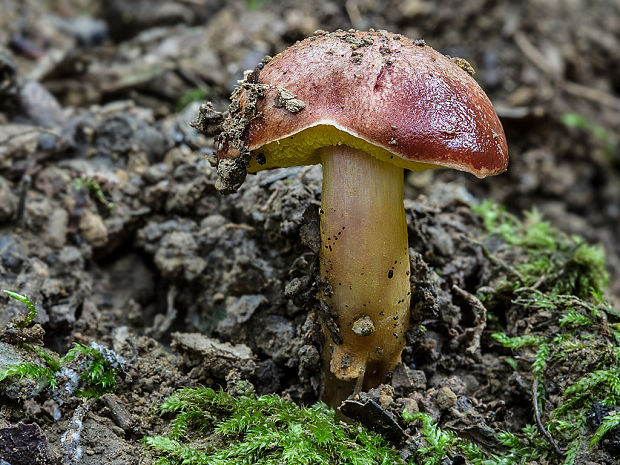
x=480 y=321
x=24 y=185
x=70 y=440
x=245 y=227
x=303 y=173
x=495 y=260
x=539 y=423
x=578 y=90
x=270 y=200
x=539 y=281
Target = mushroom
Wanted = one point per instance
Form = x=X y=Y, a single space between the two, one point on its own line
x=366 y=105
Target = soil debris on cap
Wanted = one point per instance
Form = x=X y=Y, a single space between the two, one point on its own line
x=231 y=172
x=464 y=65
x=209 y=121
x=231 y=129
x=285 y=99
x=349 y=37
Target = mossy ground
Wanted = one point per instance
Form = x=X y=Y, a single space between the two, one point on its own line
x=565 y=338
x=97 y=373
x=216 y=428
x=545 y=307
x=551 y=326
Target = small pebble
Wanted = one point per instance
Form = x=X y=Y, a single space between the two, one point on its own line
x=445 y=398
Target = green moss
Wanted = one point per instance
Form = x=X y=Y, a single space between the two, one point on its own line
x=217 y=428
x=32 y=311
x=29 y=370
x=193 y=95
x=91 y=185
x=591 y=362
x=572 y=333
x=98 y=377
x=547 y=258
x=610 y=422
x=441 y=444
x=581 y=123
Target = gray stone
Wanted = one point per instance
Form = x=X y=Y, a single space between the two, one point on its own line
x=55 y=235
x=177 y=256
x=217 y=358
x=8 y=200
x=445 y=398
x=238 y=311
x=401 y=382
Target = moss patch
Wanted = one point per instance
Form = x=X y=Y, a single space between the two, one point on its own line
x=217 y=428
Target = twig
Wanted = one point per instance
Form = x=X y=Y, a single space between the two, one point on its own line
x=480 y=321
x=70 y=441
x=578 y=90
x=539 y=423
x=524 y=289
x=270 y=200
x=354 y=14
x=539 y=281
x=577 y=301
x=532 y=54
x=245 y=227
x=302 y=175
x=23 y=186
x=495 y=260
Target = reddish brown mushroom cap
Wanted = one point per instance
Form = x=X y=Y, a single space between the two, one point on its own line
x=400 y=100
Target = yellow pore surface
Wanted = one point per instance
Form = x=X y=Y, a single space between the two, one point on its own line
x=302 y=148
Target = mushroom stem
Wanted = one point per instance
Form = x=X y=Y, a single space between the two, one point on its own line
x=364 y=264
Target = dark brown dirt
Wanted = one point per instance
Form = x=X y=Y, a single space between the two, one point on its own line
x=173 y=276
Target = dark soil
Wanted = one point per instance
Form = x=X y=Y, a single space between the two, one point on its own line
x=111 y=224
